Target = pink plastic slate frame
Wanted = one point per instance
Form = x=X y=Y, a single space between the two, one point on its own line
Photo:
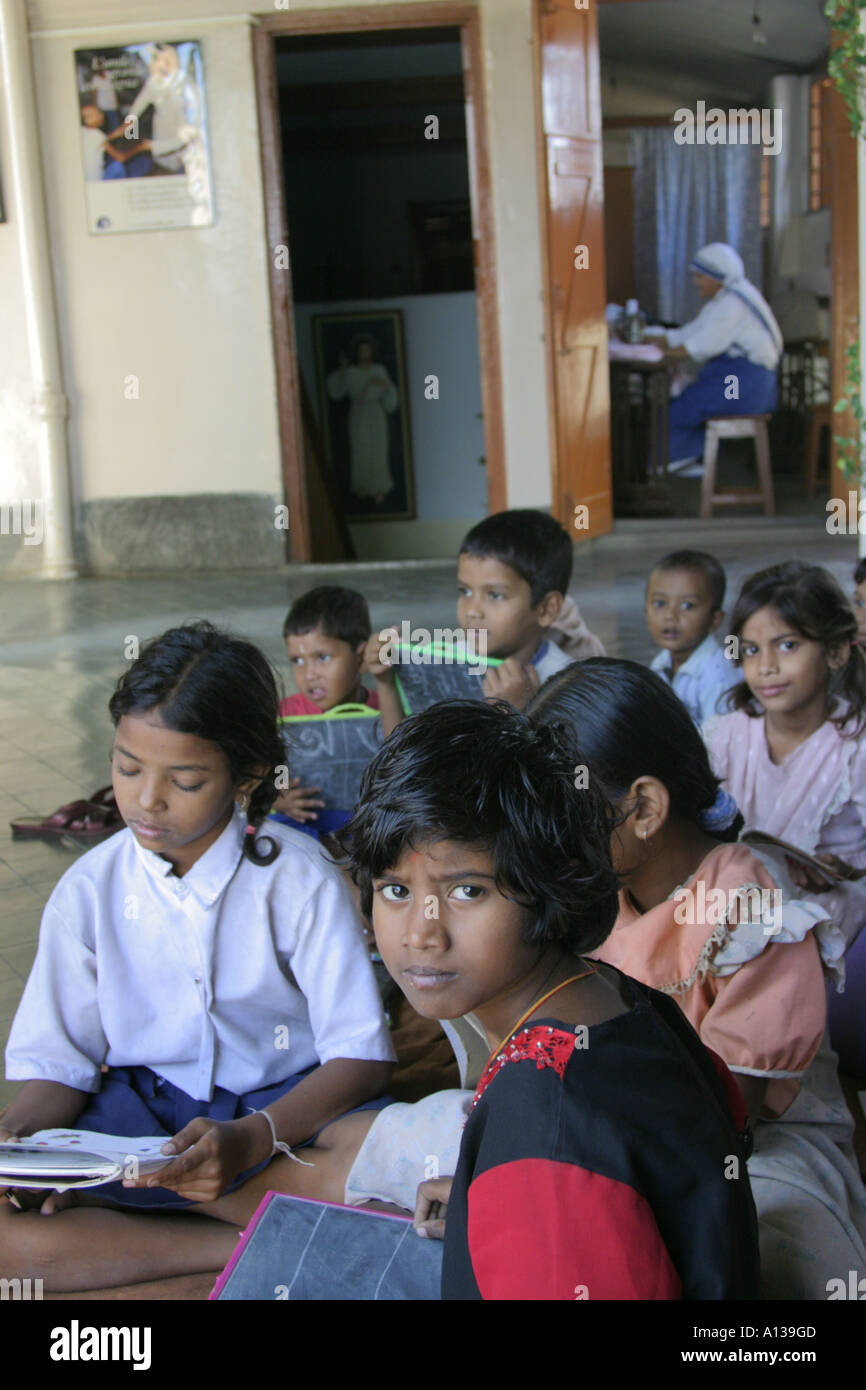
x=259 y=1212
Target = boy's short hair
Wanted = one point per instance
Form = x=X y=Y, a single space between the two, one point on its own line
x=482 y=775
x=534 y=545
x=860 y=571
x=707 y=565
x=340 y=613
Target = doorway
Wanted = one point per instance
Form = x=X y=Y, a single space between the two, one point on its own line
x=790 y=214
x=382 y=281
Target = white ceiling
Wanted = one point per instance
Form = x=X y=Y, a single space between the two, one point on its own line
x=711 y=41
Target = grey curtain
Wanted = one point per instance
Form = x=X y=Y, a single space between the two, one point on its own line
x=684 y=197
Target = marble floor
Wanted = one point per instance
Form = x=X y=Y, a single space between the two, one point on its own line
x=62 y=647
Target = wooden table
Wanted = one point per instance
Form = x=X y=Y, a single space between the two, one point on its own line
x=639 y=399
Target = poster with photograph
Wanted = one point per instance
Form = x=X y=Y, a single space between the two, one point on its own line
x=364 y=409
x=143 y=133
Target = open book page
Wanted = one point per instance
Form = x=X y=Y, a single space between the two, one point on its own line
x=63 y=1158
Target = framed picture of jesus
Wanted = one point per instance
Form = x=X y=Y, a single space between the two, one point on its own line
x=364 y=411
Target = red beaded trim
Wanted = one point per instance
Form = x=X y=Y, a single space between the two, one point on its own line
x=545 y=1046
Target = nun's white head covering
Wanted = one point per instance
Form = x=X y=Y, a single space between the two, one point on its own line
x=720 y=261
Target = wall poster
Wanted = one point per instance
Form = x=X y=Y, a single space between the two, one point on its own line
x=144 y=137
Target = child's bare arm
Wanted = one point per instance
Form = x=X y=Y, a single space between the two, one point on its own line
x=378 y=647
x=389 y=705
x=327 y=1093
x=41 y=1105
x=222 y=1150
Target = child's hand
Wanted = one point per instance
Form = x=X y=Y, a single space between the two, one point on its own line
x=372 y=662
x=298 y=802
x=211 y=1153
x=841 y=867
x=431 y=1205
x=512 y=682
x=811 y=879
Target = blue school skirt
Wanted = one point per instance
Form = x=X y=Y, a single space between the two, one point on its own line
x=135 y=1101
x=687 y=415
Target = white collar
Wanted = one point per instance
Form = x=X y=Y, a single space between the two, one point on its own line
x=701 y=654
x=211 y=874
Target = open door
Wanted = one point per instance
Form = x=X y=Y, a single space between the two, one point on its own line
x=572 y=195
x=312 y=486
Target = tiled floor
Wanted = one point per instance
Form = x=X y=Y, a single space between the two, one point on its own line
x=63 y=646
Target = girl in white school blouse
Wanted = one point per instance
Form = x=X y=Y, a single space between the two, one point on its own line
x=219 y=975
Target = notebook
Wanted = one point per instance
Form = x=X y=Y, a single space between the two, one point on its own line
x=65 y=1158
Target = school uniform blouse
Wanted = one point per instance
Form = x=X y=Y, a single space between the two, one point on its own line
x=595 y=1168
x=702 y=680
x=815 y=798
x=237 y=975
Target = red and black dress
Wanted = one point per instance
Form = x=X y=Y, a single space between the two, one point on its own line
x=603 y=1163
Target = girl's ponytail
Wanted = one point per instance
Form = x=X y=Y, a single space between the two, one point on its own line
x=260 y=802
x=629 y=724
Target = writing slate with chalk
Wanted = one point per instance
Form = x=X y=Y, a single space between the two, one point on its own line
x=428 y=673
x=297 y=1250
x=332 y=750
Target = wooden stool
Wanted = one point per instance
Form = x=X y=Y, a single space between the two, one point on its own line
x=737 y=427
x=821 y=414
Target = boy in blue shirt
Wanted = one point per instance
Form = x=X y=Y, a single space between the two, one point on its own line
x=684 y=599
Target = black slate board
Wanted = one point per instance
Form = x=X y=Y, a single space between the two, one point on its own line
x=425 y=683
x=297 y=1250
x=332 y=750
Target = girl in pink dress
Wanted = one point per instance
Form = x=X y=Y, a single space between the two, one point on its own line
x=720 y=927
x=793 y=754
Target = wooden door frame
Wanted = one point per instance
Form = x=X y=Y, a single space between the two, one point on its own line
x=434 y=15
x=558 y=490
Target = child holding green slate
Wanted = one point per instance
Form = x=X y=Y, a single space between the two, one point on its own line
x=326 y=631
x=513 y=573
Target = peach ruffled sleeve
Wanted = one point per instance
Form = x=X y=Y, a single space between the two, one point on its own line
x=767 y=1019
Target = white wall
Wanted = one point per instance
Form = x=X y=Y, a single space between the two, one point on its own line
x=184 y=311
x=187 y=311
x=19 y=461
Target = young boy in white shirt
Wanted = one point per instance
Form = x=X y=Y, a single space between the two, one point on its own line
x=684 y=599
x=513 y=573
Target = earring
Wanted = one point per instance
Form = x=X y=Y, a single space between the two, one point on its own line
x=644 y=834
x=241 y=803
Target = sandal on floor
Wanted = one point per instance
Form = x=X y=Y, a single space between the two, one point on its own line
x=85 y=820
